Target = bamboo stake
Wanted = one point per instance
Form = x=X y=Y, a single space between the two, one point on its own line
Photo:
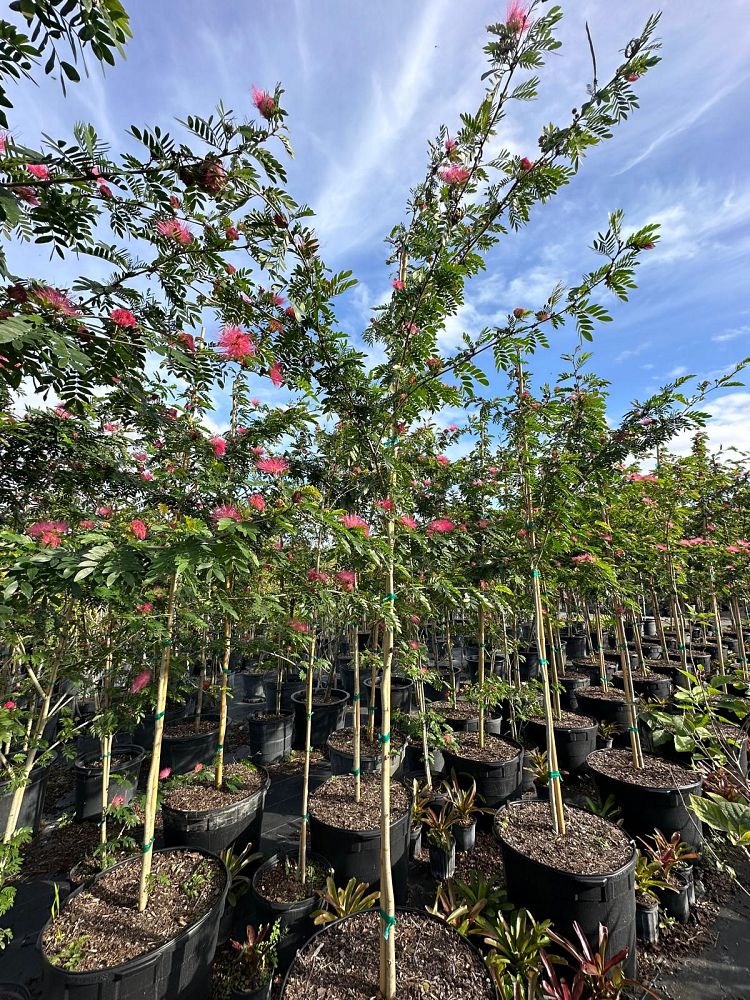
x=152 y=786
x=603 y=678
x=219 y=773
x=304 y=829
x=740 y=637
x=635 y=739
x=107 y=741
x=553 y=664
x=480 y=676
x=356 y=699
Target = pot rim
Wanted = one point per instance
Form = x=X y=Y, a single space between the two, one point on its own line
x=372 y=830
x=133 y=750
x=651 y=789
x=333 y=702
x=217 y=810
x=276 y=859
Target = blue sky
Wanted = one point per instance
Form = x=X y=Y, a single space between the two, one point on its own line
x=368 y=83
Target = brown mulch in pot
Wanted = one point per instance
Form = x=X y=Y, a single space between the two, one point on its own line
x=294 y=763
x=569 y=720
x=103 y=922
x=577 y=675
x=496 y=750
x=201 y=796
x=56 y=850
x=432 y=961
x=333 y=802
x=180 y=730
x=461 y=710
x=343 y=740
x=611 y=694
x=655 y=773
x=590 y=845
x=117 y=760
x=280 y=883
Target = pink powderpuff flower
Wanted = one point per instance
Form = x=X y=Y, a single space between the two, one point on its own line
x=257 y=502
x=355 y=522
x=443 y=459
x=347 y=578
x=451 y=428
x=386 y=504
x=275 y=374
x=142 y=680
x=164 y=773
x=139 y=528
x=660 y=547
x=316 y=576
x=147 y=477
x=232 y=233
x=522 y=532
x=585 y=557
x=111 y=428
x=104 y=511
x=53 y=298
x=398 y=284
x=228 y=511
x=414 y=619
x=647 y=500
x=118 y=801
x=48 y=533
x=517 y=17
x=646 y=421
x=450 y=144
x=219 y=445
x=278 y=300
x=175 y=230
x=434 y=363
x=198 y=768
x=407 y=521
x=483 y=523
x=257 y=450
x=264 y=102
x=28 y=195
x=440 y=526
x=38 y=170
x=414 y=644
x=273 y=466
x=302 y=627
x=526 y=164
x=454 y=174
x=145 y=609
x=236 y=345
x=9 y=705
x=123 y=318
x=3 y=140
x=637 y=477
x=87 y=525
x=733 y=549
x=62 y=413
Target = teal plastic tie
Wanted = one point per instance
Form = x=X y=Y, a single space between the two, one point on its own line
x=167 y=643
x=305 y=817
x=357 y=697
x=220 y=746
x=159 y=715
x=391 y=441
x=603 y=680
x=384 y=738
x=544 y=663
x=104 y=755
x=390 y=597
x=632 y=729
x=535 y=573
x=371 y=709
x=147 y=846
x=621 y=646
x=555 y=774
x=356 y=772
x=309 y=715
x=389 y=921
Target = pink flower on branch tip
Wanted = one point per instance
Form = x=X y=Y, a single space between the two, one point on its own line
x=118 y=801
x=145 y=609
x=407 y=521
x=526 y=164
x=454 y=174
x=111 y=428
x=450 y=144
x=355 y=522
x=48 y=533
x=585 y=557
x=398 y=284
x=347 y=578
x=443 y=459
x=141 y=681
x=440 y=526
x=264 y=102
x=219 y=445
x=387 y=504
x=164 y=773
x=257 y=502
x=28 y=195
x=275 y=374
x=517 y=16
x=123 y=318
x=56 y=300
x=302 y=627
x=38 y=170
x=232 y=233
x=139 y=528
x=317 y=576
x=87 y=525
x=104 y=511
x=175 y=230
x=228 y=511
x=236 y=345
x=198 y=768
x=62 y=413
x=273 y=466
x=9 y=705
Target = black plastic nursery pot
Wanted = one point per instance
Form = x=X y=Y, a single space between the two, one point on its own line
x=327 y=717
x=32 y=806
x=496 y=781
x=574 y=744
x=401 y=688
x=262 y=993
x=126 y=768
x=295 y=916
x=564 y=897
x=241 y=711
x=249 y=686
x=465 y=836
x=655 y=686
x=327 y=987
x=645 y=808
x=13 y=991
x=528 y=665
x=414 y=759
x=356 y=853
x=571 y=688
x=593 y=670
x=270 y=738
x=288 y=690
x=614 y=711
x=236 y=824
x=442 y=861
x=342 y=761
x=179 y=969
x=575 y=646
x=182 y=753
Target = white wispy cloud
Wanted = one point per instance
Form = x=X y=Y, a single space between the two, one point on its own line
x=734 y=334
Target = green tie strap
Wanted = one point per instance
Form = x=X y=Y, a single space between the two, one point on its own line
x=535 y=573
x=384 y=738
x=305 y=817
x=543 y=663
x=555 y=774
x=390 y=597
x=632 y=729
x=356 y=772
x=357 y=697
x=220 y=746
x=159 y=715
x=391 y=441
x=389 y=922
x=147 y=846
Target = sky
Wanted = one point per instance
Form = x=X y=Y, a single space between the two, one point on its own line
x=367 y=84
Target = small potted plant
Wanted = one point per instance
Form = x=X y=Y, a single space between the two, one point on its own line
x=441 y=842
x=672 y=855
x=649 y=879
x=536 y=762
x=464 y=803
x=605 y=735
x=423 y=797
x=256 y=961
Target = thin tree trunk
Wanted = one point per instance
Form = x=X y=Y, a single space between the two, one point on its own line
x=219 y=774
x=304 y=829
x=480 y=676
x=357 y=718
x=635 y=739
